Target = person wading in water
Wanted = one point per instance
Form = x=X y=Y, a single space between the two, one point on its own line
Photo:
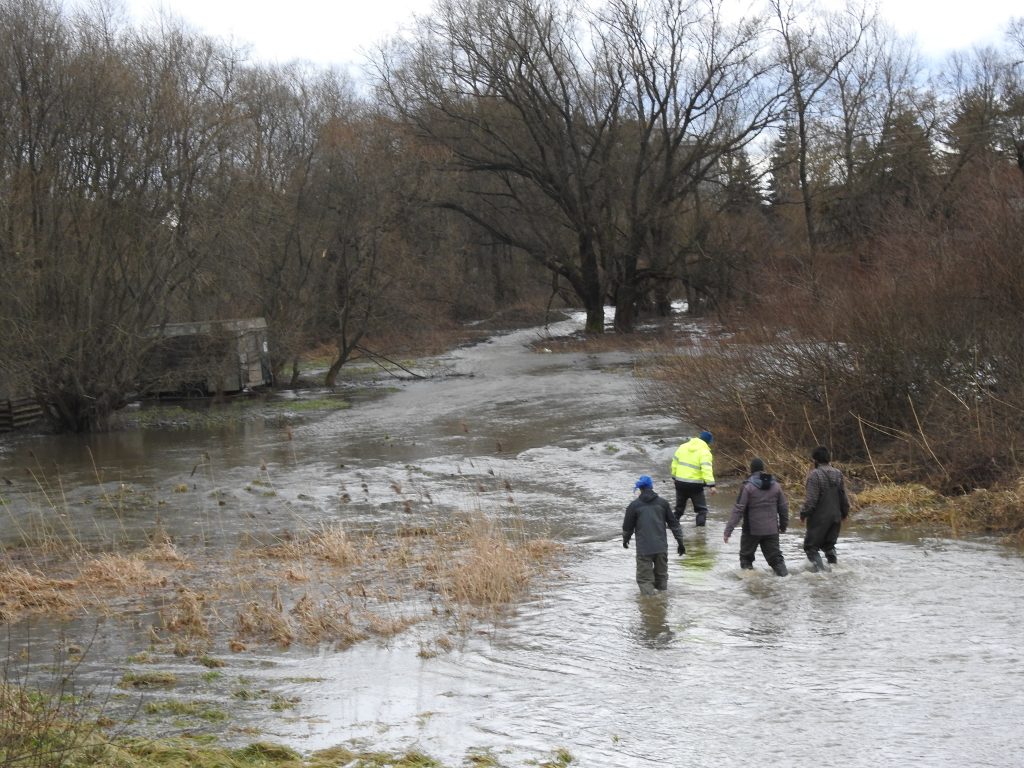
x=825 y=507
x=649 y=516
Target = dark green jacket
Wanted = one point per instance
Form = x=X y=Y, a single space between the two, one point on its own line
x=648 y=516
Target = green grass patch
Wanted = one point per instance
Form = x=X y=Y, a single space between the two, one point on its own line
x=148 y=680
x=314 y=404
x=281 y=704
x=178 y=708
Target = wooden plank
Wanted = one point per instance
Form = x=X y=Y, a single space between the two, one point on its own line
x=21 y=413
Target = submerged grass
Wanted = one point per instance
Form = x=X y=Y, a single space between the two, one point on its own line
x=324 y=585
x=212 y=414
x=48 y=729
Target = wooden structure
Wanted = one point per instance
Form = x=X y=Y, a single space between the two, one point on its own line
x=15 y=414
x=207 y=358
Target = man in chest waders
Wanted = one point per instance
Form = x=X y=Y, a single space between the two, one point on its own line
x=825 y=507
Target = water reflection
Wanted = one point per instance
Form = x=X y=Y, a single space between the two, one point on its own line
x=700 y=556
x=654 y=630
x=918 y=641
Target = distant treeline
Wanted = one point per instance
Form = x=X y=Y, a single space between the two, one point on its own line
x=797 y=169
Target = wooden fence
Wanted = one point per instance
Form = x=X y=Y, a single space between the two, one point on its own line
x=18 y=413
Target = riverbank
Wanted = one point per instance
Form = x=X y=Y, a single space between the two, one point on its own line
x=547 y=446
x=995 y=510
x=48 y=734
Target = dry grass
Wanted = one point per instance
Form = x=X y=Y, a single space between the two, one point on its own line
x=898 y=495
x=388 y=626
x=999 y=510
x=330 y=543
x=994 y=511
x=24 y=592
x=310 y=587
x=118 y=572
x=473 y=567
x=491 y=568
x=320 y=620
x=188 y=615
x=258 y=620
x=165 y=552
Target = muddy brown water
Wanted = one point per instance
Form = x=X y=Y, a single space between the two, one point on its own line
x=909 y=653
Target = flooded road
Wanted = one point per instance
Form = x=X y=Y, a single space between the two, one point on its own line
x=909 y=652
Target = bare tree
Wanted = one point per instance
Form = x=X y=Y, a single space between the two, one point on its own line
x=103 y=172
x=276 y=221
x=505 y=89
x=694 y=90
x=583 y=144
x=812 y=49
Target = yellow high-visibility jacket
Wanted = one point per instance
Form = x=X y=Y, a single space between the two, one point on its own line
x=692 y=462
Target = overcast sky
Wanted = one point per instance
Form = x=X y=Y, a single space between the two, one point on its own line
x=337 y=32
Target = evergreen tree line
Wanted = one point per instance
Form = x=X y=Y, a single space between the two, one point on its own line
x=787 y=169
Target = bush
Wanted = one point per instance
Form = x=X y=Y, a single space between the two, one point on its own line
x=912 y=363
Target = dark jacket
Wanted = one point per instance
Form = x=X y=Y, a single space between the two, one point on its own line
x=761 y=505
x=826 y=499
x=648 y=516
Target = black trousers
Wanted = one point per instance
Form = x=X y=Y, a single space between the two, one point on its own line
x=823 y=535
x=685 y=492
x=769 y=548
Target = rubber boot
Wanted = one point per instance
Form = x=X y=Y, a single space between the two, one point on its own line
x=780 y=568
x=816 y=564
x=746 y=566
x=830 y=555
x=701 y=519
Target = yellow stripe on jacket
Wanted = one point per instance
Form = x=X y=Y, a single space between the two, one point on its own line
x=692 y=462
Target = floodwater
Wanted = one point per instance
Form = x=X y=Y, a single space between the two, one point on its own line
x=911 y=652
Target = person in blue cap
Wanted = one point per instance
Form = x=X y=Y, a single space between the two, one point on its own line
x=648 y=516
x=692 y=472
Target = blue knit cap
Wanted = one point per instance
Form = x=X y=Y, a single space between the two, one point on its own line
x=706 y=437
x=644 y=482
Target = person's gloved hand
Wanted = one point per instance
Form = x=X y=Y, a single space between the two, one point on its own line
x=681 y=549
x=625 y=544
x=782 y=529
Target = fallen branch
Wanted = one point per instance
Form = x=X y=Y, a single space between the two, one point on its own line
x=376 y=358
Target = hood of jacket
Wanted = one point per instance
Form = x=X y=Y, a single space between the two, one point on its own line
x=647 y=494
x=761 y=480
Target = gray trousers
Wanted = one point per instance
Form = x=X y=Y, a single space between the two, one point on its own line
x=652 y=572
